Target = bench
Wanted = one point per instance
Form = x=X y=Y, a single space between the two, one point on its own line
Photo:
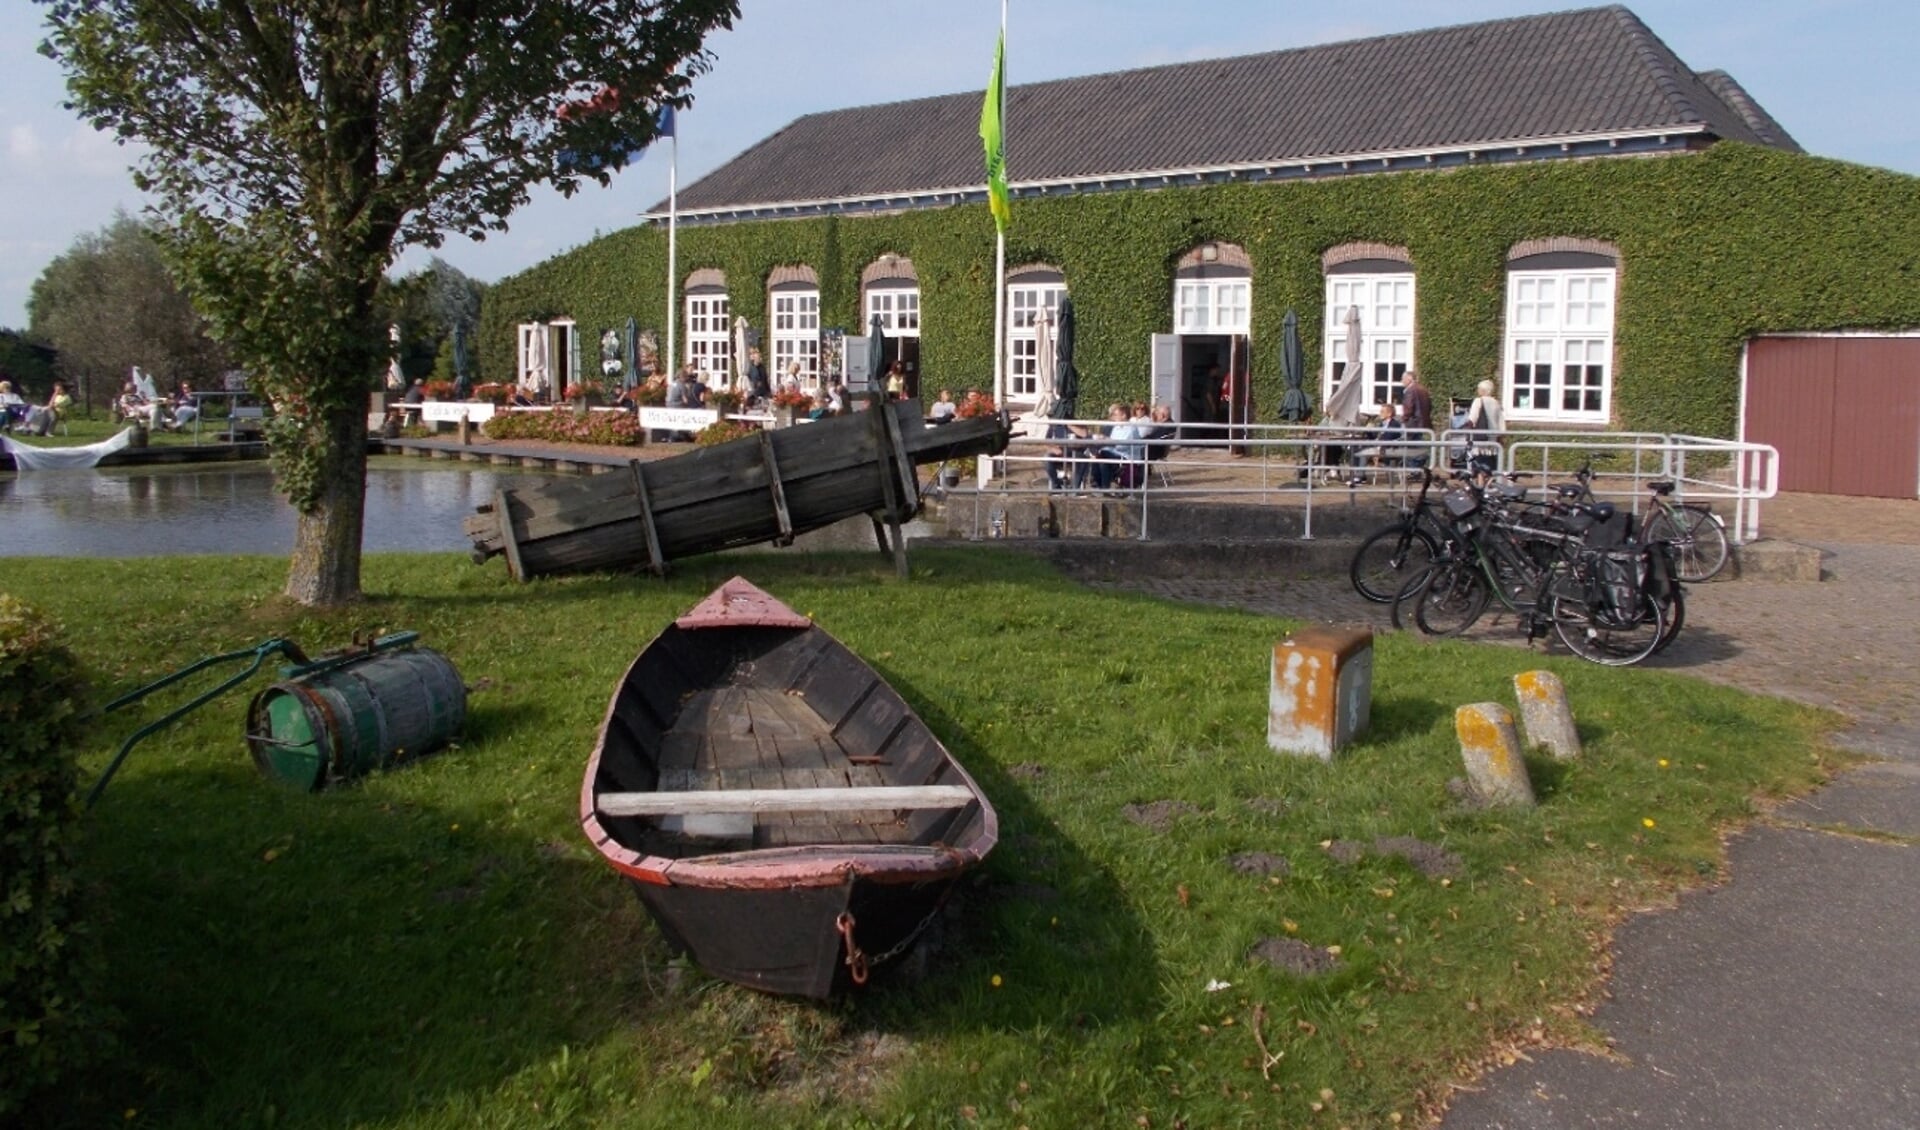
x=248 y=420
x=707 y=801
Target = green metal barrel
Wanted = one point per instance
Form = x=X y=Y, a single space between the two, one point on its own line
x=343 y=722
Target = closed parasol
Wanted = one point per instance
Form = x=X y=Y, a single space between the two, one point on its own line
x=1343 y=402
x=1296 y=406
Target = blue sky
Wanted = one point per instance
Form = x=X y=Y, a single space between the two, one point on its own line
x=1838 y=74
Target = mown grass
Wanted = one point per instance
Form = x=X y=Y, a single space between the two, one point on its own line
x=437 y=947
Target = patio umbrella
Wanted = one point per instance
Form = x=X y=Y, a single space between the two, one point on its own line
x=739 y=352
x=535 y=380
x=460 y=382
x=876 y=350
x=1043 y=366
x=1343 y=403
x=1296 y=406
x=631 y=346
x=1066 y=378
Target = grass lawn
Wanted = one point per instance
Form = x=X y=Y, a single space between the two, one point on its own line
x=437 y=947
x=102 y=425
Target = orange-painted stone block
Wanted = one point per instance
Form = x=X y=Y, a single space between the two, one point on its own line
x=1321 y=694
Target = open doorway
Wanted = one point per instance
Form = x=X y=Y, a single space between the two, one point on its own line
x=1213 y=384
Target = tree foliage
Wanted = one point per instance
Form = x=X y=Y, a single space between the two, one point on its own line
x=427 y=305
x=109 y=303
x=294 y=148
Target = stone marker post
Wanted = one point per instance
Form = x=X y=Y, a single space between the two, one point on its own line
x=1545 y=716
x=1491 y=751
x=1321 y=693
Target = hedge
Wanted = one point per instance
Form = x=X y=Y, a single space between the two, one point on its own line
x=48 y=1026
x=1715 y=247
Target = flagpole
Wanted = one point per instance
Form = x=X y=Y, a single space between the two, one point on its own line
x=1000 y=253
x=670 y=364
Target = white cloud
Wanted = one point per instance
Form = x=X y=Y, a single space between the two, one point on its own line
x=24 y=145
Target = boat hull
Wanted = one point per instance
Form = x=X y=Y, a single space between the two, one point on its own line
x=707 y=791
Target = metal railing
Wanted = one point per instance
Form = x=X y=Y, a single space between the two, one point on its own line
x=1305 y=465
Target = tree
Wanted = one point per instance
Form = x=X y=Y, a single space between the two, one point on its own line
x=109 y=303
x=427 y=305
x=298 y=145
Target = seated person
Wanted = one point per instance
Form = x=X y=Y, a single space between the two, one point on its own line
x=132 y=404
x=13 y=408
x=1059 y=470
x=416 y=392
x=40 y=421
x=943 y=409
x=1115 y=461
x=1382 y=451
x=186 y=409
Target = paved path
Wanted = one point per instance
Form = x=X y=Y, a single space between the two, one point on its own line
x=1789 y=997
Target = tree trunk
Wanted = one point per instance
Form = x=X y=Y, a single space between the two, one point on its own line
x=326 y=543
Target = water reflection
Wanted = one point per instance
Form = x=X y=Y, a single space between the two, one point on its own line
x=143 y=512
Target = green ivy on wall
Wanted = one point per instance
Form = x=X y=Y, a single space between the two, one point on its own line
x=1714 y=248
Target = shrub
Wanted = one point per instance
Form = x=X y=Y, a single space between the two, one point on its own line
x=722 y=431
x=608 y=429
x=48 y=1027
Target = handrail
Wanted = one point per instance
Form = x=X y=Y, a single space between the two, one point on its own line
x=1300 y=463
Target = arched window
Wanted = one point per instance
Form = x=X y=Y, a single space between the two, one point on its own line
x=1559 y=339
x=1212 y=291
x=1377 y=280
x=1033 y=306
x=793 y=311
x=708 y=349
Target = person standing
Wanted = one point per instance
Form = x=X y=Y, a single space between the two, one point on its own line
x=1487 y=419
x=1416 y=403
x=759 y=390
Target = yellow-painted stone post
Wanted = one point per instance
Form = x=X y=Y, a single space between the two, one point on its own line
x=1321 y=693
x=1545 y=715
x=1491 y=751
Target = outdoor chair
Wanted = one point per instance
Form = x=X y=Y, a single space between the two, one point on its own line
x=1159 y=445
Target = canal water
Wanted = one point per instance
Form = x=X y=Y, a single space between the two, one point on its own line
x=234 y=508
x=231 y=508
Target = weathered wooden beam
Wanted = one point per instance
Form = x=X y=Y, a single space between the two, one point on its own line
x=784 y=800
x=508 y=542
x=778 y=487
x=656 y=560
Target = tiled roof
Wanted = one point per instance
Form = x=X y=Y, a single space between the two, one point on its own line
x=1587 y=73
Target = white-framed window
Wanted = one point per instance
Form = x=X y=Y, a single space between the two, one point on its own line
x=1386 y=331
x=796 y=334
x=897 y=307
x=1560 y=344
x=709 y=346
x=1212 y=306
x=1025 y=304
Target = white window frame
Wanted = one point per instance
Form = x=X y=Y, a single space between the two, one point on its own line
x=1386 y=302
x=795 y=317
x=897 y=307
x=709 y=337
x=1559 y=345
x=1213 y=306
x=1024 y=303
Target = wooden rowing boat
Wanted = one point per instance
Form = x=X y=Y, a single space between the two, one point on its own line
x=784 y=816
x=766 y=487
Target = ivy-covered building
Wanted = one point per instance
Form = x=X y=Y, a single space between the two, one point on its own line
x=1557 y=202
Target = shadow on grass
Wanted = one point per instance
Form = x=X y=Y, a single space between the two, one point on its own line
x=340 y=958
x=1045 y=936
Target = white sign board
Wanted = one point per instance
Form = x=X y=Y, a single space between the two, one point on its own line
x=677 y=419
x=859 y=374
x=450 y=411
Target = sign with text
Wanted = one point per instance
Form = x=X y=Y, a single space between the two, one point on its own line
x=450 y=411
x=677 y=419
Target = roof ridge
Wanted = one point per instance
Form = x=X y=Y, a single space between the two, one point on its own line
x=1660 y=61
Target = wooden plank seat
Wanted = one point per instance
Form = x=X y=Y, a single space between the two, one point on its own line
x=865 y=797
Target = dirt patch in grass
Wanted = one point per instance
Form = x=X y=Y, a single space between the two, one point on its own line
x=1260 y=863
x=1027 y=771
x=1347 y=851
x=1294 y=956
x=1431 y=860
x=1159 y=815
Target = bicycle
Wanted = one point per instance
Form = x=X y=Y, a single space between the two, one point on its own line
x=1607 y=605
x=1697 y=534
x=1399 y=553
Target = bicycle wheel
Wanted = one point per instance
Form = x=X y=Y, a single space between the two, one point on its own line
x=1699 y=539
x=1453 y=597
x=1388 y=559
x=1598 y=642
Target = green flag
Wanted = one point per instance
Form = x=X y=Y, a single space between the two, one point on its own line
x=996 y=142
